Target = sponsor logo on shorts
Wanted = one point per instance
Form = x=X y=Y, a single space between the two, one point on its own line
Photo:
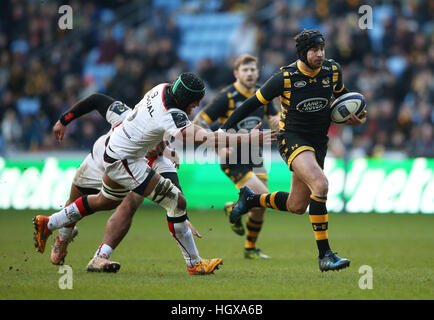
x=312 y=105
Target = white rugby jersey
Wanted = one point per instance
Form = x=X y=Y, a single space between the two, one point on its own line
x=116 y=113
x=147 y=125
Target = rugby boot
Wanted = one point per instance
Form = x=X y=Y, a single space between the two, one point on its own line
x=102 y=264
x=205 y=266
x=237 y=226
x=255 y=254
x=58 y=252
x=41 y=233
x=331 y=261
x=240 y=206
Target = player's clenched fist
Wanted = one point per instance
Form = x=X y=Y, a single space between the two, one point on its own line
x=59 y=130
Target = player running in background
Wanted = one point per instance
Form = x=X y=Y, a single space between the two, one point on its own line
x=305 y=88
x=248 y=173
x=161 y=114
x=87 y=179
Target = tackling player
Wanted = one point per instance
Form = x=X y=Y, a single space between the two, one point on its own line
x=305 y=88
x=250 y=173
x=161 y=114
x=87 y=179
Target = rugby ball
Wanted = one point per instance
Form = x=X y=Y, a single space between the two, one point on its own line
x=345 y=105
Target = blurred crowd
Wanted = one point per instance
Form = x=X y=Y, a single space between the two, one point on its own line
x=124 y=48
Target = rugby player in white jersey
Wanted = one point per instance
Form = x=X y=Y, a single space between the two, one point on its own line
x=87 y=179
x=161 y=114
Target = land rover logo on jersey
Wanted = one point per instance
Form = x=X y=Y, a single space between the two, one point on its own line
x=299 y=84
x=248 y=123
x=312 y=105
x=180 y=119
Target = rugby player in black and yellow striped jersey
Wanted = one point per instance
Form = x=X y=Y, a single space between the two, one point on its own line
x=305 y=88
x=251 y=173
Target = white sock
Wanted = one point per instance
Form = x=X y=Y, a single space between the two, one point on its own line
x=184 y=238
x=66 y=216
x=104 y=251
x=65 y=233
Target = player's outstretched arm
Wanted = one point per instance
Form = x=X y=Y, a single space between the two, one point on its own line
x=96 y=101
x=220 y=138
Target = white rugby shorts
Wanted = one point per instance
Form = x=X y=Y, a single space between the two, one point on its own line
x=88 y=175
x=129 y=173
x=90 y=172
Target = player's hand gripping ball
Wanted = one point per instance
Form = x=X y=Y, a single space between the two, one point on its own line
x=347 y=104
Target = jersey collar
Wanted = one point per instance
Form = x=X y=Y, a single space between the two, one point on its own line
x=168 y=98
x=307 y=73
x=244 y=93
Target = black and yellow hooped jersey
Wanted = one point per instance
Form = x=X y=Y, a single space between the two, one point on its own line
x=227 y=101
x=305 y=96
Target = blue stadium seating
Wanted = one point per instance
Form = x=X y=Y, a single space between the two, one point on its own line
x=206 y=35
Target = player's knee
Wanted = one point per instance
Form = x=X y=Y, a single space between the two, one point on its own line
x=297 y=209
x=321 y=187
x=167 y=195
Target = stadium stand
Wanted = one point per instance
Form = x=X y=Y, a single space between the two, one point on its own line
x=123 y=48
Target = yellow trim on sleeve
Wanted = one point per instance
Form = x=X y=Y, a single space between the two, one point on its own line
x=335 y=76
x=261 y=97
x=286 y=101
x=287 y=83
x=340 y=90
x=287 y=94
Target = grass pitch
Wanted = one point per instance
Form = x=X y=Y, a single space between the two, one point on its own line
x=398 y=248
